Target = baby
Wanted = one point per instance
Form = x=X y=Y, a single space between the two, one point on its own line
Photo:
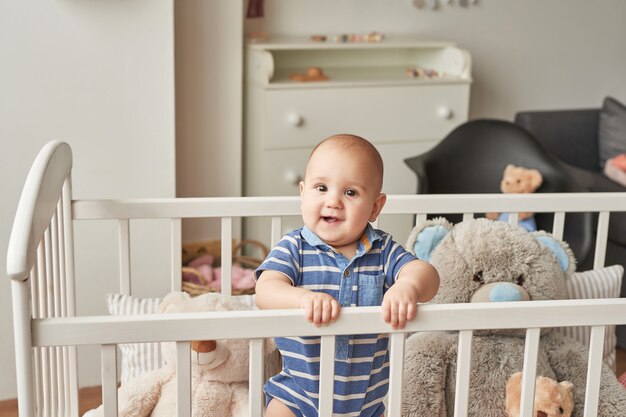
x=339 y=260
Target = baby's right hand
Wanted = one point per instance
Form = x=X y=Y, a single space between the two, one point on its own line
x=319 y=308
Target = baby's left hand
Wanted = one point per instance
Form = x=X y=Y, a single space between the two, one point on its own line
x=399 y=305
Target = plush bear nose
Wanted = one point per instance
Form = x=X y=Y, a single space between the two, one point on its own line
x=505 y=292
x=203 y=346
x=499 y=292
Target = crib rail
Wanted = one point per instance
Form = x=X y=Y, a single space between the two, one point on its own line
x=533 y=316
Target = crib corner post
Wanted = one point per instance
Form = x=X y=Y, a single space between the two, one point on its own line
x=20 y=291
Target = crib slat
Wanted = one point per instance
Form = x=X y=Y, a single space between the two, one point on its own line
x=327 y=376
x=531 y=350
x=227 y=255
x=177 y=257
x=124 y=251
x=57 y=357
x=601 y=238
x=420 y=219
x=513 y=218
x=183 y=378
x=63 y=353
x=558 y=225
x=109 y=380
x=276 y=232
x=43 y=312
x=396 y=361
x=255 y=389
x=50 y=296
x=468 y=216
x=68 y=244
x=463 y=367
x=34 y=289
x=594 y=370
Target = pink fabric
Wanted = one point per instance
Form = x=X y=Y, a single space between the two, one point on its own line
x=620 y=161
x=242 y=278
x=622 y=379
x=614 y=171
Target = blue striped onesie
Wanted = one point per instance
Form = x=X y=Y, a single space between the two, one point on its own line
x=361 y=361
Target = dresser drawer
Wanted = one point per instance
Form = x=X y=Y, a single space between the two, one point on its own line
x=300 y=118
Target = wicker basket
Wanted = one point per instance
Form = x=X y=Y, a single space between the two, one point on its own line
x=194 y=250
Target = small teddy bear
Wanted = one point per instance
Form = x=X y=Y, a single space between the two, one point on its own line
x=518 y=180
x=552 y=399
x=219 y=385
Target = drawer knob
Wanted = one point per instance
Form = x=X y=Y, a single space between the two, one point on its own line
x=294 y=119
x=444 y=112
x=292 y=177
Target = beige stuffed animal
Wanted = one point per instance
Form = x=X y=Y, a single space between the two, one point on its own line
x=552 y=399
x=219 y=386
x=517 y=180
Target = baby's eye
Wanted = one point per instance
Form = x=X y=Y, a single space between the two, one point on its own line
x=351 y=193
x=321 y=188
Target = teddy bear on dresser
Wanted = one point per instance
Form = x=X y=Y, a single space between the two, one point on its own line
x=488 y=261
x=219 y=385
x=516 y=180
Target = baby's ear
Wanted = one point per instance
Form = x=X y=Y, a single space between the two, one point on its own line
x=426 y=237
x=378 y=206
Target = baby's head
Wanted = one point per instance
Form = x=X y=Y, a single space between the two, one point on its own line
x=341 y=191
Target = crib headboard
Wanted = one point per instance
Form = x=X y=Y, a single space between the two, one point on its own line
x=40 y=196
x=40 y=264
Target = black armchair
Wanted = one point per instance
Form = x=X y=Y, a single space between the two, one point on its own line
x=571 y=136
x=471 y=159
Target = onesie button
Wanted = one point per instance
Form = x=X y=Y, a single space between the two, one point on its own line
x=346 y=273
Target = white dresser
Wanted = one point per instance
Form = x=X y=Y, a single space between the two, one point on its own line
x=369 y=92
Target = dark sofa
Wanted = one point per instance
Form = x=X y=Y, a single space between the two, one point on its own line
x=572 y=136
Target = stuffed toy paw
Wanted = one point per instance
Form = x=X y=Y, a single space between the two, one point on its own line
x=552 y=399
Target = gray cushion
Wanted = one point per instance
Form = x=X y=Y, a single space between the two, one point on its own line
x=612 y=130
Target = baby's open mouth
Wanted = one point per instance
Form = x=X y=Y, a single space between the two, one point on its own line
x=330 y=219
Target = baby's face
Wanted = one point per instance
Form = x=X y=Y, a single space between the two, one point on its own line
x=340 y=194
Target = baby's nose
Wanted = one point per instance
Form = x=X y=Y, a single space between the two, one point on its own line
x=333 y=200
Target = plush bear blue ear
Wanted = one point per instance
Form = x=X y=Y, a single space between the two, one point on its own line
x=427 y=240
x=556 y=248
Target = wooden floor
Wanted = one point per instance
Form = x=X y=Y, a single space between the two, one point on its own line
x=88 y=398
x=91 y=397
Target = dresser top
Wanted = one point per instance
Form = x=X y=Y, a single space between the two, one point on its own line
x=305 y=42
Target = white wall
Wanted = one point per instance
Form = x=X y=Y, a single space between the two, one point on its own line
x=209 y=94
x=526 y=54
x=99 y=75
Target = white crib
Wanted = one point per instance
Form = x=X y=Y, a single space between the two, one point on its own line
x=47 y=330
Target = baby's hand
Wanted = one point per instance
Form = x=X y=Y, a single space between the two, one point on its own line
x=399 y=305
x=319 y=308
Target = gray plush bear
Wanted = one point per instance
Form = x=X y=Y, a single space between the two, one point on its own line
x=486 y=261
